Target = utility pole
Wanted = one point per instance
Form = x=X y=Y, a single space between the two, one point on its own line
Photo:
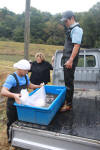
x=27 y=29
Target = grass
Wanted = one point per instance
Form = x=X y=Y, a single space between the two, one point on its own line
x=14 y=50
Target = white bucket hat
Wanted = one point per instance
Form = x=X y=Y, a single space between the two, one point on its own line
x=22 y=64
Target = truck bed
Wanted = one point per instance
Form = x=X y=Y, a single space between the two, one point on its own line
x=81 y=124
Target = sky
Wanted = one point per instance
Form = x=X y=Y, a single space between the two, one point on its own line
x=52 y=6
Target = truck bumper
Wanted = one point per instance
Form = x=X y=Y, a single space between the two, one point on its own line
x=35 y=139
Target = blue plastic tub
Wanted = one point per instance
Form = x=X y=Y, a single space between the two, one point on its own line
x=41 y=115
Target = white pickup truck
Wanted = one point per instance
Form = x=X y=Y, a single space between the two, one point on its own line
x=78 y=129
x=87 y=74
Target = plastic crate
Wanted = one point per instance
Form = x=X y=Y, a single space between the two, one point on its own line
x=41 y=115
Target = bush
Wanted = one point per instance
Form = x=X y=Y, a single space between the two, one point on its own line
x=4 y=39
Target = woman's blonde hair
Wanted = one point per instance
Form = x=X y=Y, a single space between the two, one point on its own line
x=41 y=55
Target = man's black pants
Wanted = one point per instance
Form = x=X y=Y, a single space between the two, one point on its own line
x=11 y=116
x=69 y=83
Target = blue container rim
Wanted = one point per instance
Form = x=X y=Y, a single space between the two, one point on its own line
x=43 y=108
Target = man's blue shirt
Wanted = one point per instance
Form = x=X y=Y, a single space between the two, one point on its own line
x=76 y=35
x=11 y=81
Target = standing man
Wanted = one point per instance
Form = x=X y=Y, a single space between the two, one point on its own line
x=70 y=55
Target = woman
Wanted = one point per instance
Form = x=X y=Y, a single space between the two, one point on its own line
x=40 y=70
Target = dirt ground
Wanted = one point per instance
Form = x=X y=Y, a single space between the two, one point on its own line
x=4 y=145
x=3 y=137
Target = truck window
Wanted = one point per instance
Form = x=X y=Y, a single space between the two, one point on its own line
x=90 y=61
x=80 y=61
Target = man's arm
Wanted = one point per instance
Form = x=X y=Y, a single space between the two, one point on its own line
x=75 y=50
x=7 y=93
x=34 y=86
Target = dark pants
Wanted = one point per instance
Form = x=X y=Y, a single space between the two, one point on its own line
x=11 y=116
x=69 y=83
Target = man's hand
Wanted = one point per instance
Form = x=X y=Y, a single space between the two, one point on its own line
x=42 y=84
x=69 y=63
x=17 y=98
x=34 y=86
x=7 y=93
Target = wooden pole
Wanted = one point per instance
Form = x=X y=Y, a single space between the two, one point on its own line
x=27 y=29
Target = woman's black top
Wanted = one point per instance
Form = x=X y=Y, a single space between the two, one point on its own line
x=40 y=72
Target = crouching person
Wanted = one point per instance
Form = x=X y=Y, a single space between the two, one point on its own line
x=12 y=87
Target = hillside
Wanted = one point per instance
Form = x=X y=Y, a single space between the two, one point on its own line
x=16 y=49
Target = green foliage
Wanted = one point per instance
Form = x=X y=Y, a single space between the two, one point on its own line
x=3 y=39
x=97 y=42
x=18 y=35
x=48 y=29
